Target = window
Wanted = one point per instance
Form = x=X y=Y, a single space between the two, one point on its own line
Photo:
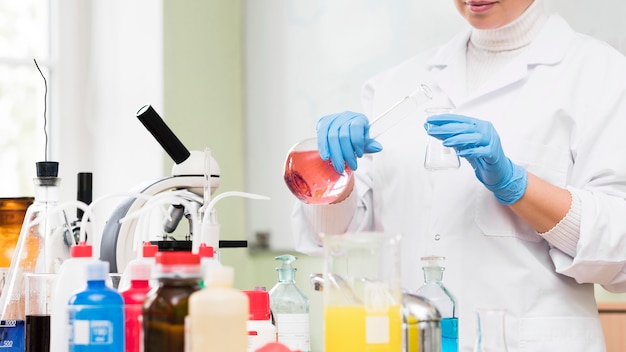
x=24 y=36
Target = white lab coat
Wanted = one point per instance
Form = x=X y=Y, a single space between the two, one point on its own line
x=560 y=111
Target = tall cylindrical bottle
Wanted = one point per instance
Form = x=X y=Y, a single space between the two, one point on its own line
x=71 y=279
x=96 y=314
x=41 y=248
x=134 y=297
x=165 y=308
x=435 y=291
x=218 y=314
x=290 y=307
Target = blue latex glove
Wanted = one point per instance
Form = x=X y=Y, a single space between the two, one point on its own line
x=478 y=142
x=343 y=138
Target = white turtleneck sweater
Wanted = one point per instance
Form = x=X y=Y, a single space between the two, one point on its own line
x=489 y=51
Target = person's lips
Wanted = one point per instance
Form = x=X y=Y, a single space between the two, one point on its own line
x=479 y=6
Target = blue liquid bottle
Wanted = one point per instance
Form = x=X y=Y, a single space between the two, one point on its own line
x=96 y=314
x=434 y=290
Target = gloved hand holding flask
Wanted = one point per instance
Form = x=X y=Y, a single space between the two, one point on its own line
x=344 y=137
x=478 y=142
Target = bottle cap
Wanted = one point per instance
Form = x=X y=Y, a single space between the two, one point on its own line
x=259 y=305
x=97 y=271
x=140 y=271
x=81 y=250
x=47 y=168
x=205 y=251
x=149 y=250
x=177 y=258
x=219 y=276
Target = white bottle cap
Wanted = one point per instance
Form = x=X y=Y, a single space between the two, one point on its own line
x=97 y=271
x=219 y=276
x=140 y=270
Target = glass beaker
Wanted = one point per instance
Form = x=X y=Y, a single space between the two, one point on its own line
x=490 y=334
x=362 y=293
x=315 y=181
x=437 y=156
x=39 y=288
x=12 y=212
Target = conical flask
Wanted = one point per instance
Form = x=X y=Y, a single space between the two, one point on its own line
x=314 y=180
x=435 y=291
x=42 y=246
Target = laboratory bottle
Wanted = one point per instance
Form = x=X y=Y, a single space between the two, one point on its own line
x=148 y=252
x=42 y=246
x=134 y=297
x=434 y=290
x=72 y=278
x=165 y=308
x=207 y=260
x=218 y=314
x=96 y=314
x=261 y=331
x=290 y=307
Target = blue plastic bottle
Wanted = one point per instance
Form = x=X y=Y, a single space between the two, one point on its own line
x=96 y=315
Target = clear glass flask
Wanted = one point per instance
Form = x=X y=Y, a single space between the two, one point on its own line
x=437 y=156
x=42 y=246
x=290 y=307
x=437 y=293
x=315 y=181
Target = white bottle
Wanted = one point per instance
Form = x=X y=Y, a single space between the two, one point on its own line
x=70 y=279
x=261 y=331
x=218 y=314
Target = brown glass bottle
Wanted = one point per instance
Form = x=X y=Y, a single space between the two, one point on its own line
x=166 y=307
x=12 y=211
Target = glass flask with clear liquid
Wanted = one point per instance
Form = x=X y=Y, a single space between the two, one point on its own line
x=42 y=246
x=314 y=180
x=435 y=291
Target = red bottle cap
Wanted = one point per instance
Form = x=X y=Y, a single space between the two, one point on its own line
x=149 y=250
x=205 y=251
x=259 y=305
x=81 y=250
x=177 y=258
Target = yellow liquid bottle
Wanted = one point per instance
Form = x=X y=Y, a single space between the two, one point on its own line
x=353 y=328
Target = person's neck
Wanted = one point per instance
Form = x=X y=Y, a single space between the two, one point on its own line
x=514 y=35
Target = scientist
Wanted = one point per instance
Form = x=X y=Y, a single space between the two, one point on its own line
x=537 y=212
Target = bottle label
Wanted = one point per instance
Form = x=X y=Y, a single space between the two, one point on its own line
x=92 y=332
x=293 y=331
x=96 y=328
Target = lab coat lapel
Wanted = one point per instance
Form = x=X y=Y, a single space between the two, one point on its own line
x=449 y=68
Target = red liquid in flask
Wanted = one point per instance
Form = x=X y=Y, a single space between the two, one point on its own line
x=314 y=180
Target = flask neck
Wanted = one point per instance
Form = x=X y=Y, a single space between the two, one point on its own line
x=46 y=189
x=433 y=274
x=286 y=274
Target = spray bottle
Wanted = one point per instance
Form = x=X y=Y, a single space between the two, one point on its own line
x=434 y=290
x=290 y=307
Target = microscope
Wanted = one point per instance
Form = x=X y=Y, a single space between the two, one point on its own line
x=194 y=174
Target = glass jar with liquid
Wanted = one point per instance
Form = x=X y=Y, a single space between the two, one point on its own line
x=165 y=308
x=12 y=212
x=362 y=294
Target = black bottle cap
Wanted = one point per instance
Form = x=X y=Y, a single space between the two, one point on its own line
x=47 y=168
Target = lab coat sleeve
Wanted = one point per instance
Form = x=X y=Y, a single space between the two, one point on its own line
x=598 y=179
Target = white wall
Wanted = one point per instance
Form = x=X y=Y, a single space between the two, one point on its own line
x=109 y=64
